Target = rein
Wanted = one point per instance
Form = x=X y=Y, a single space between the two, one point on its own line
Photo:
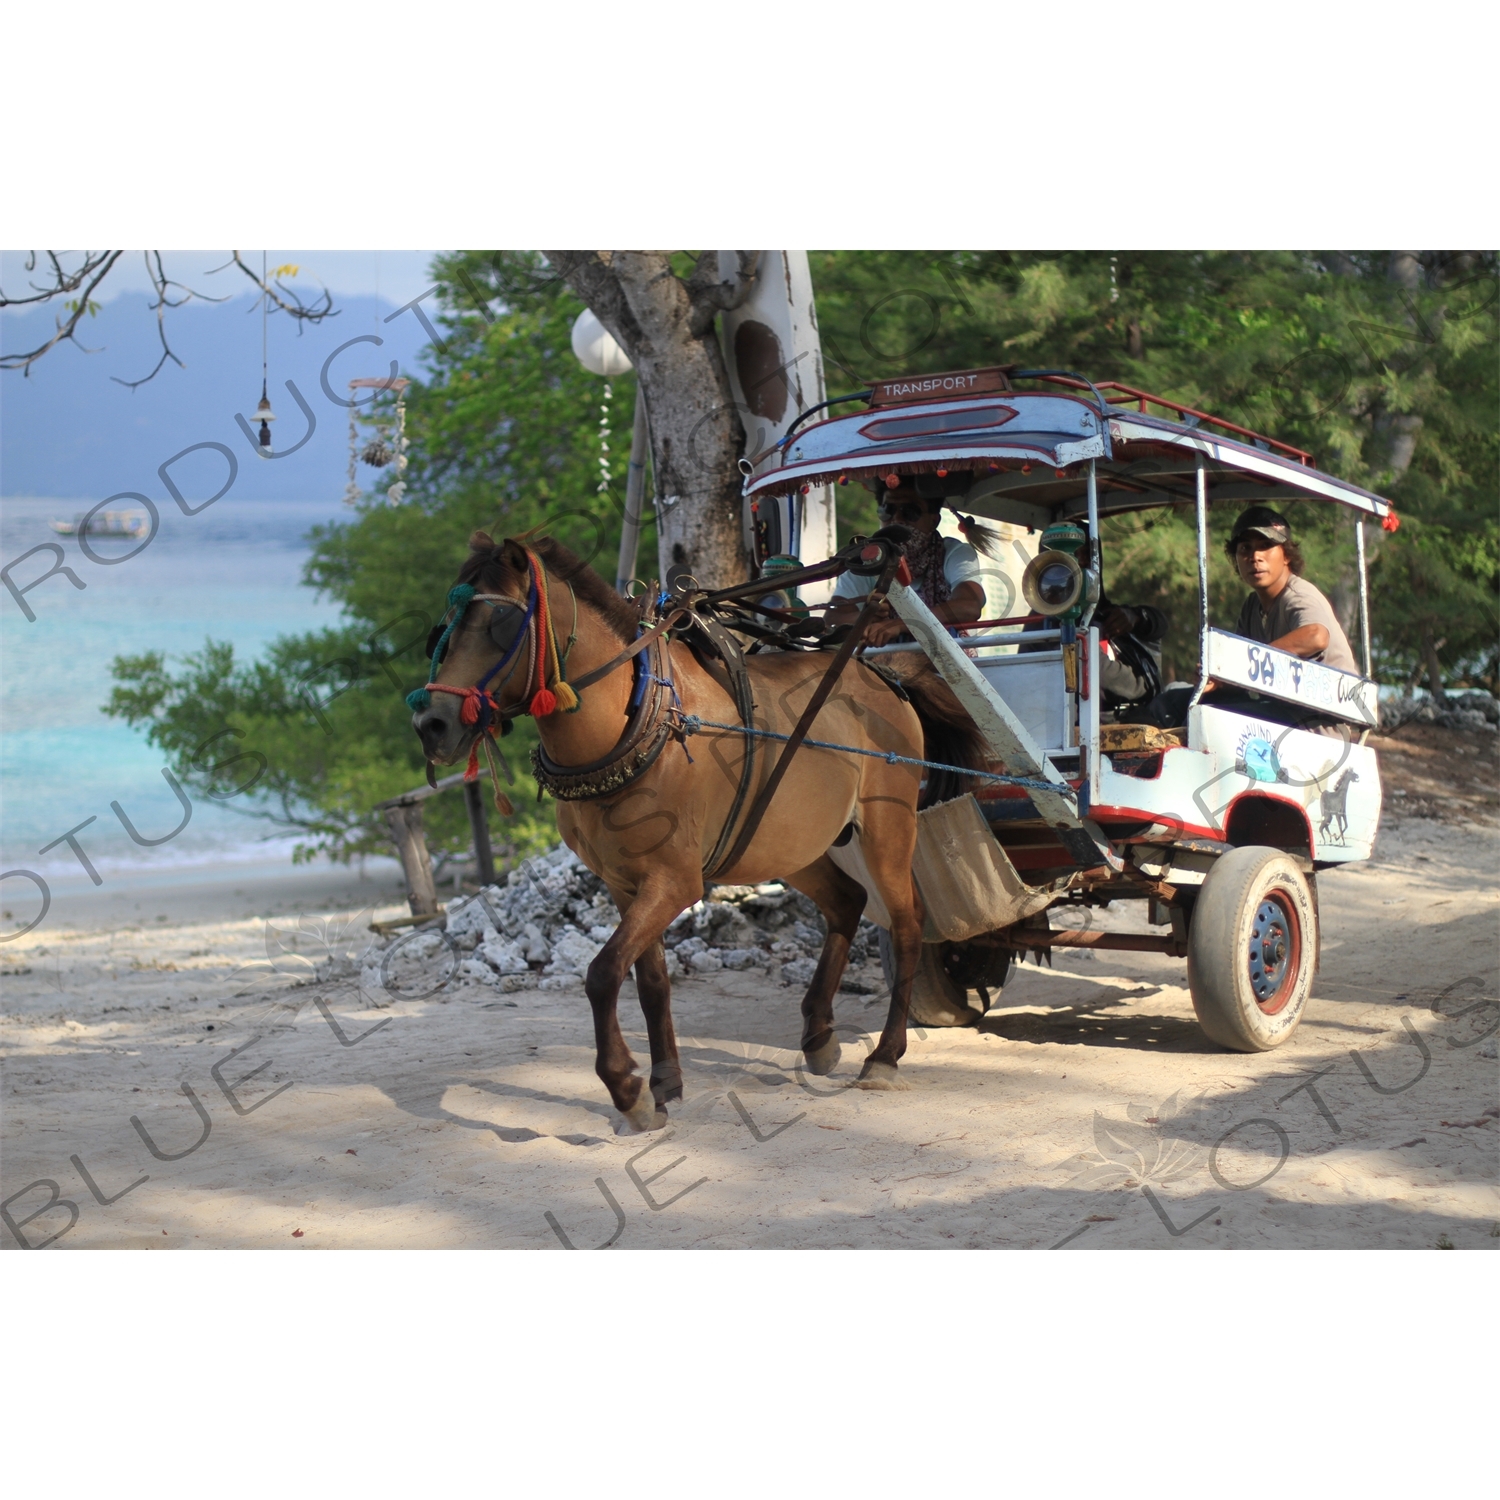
x=651 y=723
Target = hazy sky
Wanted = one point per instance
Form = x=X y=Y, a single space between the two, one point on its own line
x=396 y=275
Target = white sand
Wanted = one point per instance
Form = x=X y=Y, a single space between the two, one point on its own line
x=471 y=1116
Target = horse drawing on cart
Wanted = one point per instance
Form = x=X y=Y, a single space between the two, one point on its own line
x=1336 y=808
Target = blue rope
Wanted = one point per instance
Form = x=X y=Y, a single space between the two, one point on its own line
x=691 y=724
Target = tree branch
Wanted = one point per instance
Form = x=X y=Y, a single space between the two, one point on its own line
x=710 y=296
x=162 y=286
x=97 y=264
x=284 y=297
x=94 y=269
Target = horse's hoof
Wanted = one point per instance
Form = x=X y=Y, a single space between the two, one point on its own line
x=823 y=1060
x=638 y=1121
x=645 y=1114
x=666 y=1090
x=880 y=1075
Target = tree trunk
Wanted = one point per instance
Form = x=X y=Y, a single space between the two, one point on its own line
x=665 y=323
x=405 y=824
x=1434 y=666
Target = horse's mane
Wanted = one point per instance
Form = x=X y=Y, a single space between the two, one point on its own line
x=488 y=566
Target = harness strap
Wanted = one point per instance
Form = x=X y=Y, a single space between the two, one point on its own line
x=692 y=724
x=717 y=639
x=639 y=645
x=873 y=601
x=649 y=728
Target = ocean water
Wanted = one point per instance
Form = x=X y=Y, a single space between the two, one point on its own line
x=232 y=572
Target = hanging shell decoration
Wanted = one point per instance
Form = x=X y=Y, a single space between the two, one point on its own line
x=377 y=454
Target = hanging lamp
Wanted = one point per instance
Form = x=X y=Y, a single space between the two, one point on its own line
x=263 y=413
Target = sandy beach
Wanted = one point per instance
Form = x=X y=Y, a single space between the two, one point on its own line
x=204 y=1058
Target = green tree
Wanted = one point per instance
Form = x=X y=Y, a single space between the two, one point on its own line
x=505 y=436
x=1383 y=366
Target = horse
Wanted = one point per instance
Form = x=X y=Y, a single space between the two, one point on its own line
x=1335 y=806
x=648 y=808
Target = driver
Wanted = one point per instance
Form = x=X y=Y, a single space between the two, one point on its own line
x=1130 y=654
x=946 y=572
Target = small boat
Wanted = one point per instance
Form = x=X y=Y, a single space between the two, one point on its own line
x=105 y=523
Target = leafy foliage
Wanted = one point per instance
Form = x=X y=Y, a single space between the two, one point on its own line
x=504 y=434
x=1390 y=384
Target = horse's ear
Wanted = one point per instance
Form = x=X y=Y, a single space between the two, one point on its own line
x=515 y=557
x=481 y=541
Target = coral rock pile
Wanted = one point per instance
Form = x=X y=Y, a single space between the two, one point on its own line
x=543 y=925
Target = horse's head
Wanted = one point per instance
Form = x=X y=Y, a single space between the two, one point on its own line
x=483 y=643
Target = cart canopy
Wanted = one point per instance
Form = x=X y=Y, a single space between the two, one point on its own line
x=1022 y=456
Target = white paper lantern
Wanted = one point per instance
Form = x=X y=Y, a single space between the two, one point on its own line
x=596 y=348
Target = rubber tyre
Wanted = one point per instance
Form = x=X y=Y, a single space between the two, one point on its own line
x=1252 y=949
x=935 y=999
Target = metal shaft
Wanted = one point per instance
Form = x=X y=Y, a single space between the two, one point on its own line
x=635 y=494
x=1202 y=515
x=1364 y=594
x=1130 y=942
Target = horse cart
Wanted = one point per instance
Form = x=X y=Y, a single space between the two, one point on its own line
x=1220 y=825
x=957 y=796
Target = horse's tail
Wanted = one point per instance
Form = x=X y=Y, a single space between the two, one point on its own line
x=949 y=735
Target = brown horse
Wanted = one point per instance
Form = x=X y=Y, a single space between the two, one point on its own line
x=647 y=823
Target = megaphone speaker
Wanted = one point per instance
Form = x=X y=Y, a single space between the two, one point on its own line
x=1052 y=583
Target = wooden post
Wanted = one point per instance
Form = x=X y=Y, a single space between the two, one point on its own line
x=405 y=823
x=479 y=824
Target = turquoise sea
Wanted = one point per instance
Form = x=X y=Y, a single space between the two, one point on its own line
x=233 y=571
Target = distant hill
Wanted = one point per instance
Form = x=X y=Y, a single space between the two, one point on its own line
x=69 y=432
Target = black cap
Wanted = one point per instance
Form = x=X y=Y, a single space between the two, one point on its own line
x=1261 y=520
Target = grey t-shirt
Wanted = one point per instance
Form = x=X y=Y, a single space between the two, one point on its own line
x=1299 y=603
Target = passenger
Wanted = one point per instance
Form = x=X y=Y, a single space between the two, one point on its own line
x=946 y=572
x=1285 y=611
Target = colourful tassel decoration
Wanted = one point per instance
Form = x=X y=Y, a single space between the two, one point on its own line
x=543 y=702
x=471 y=771
x=418 y=699
x=503 y=804
x=469 y=713
x=567 y=699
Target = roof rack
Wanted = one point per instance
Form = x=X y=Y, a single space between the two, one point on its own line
x=1129 y=393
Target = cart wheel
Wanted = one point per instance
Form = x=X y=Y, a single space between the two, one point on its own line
x=935 y=999
x=1252 y=949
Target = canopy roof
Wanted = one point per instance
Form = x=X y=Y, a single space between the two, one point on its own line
x=1022 y=456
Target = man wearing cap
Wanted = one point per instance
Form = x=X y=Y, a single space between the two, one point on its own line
x=1285 y=611
x=947 y=574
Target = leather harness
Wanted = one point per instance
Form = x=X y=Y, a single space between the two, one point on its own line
x=655 y=714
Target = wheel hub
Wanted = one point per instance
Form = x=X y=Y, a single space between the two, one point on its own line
x=1270 y=948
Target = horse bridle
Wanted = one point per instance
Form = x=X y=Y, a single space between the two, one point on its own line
x=508 y=619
